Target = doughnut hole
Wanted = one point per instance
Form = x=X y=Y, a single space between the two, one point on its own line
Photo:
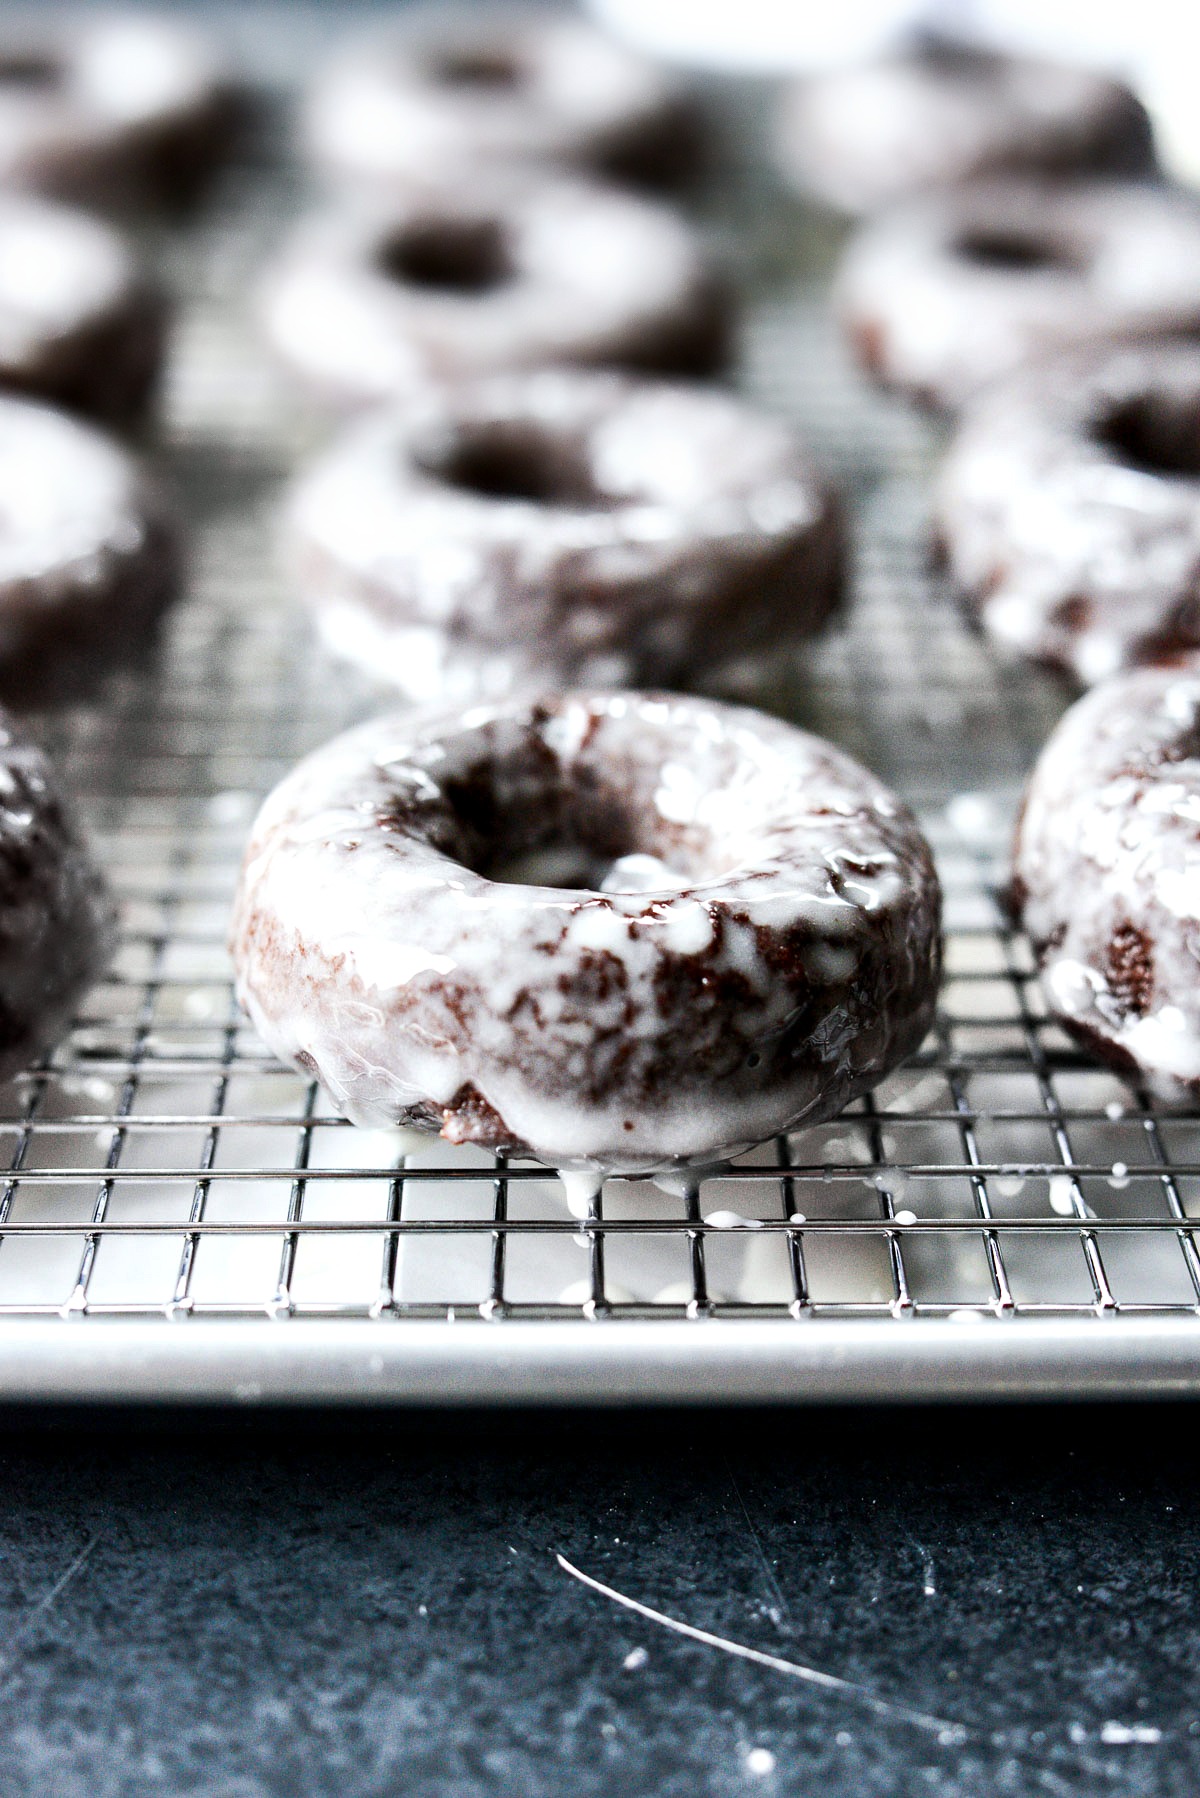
x=1007 y=250
x=32 y=72
x=448 y=255
x=480 y=67
x=514 y=460
x=523 y=819
x=1154 y=433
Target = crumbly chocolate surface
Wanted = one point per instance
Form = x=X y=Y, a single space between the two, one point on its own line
x=384 y=298
x=55 y=915
x=1107 y=873
x=1068 y=508
x=954 y=290
x=862 y=137
x=567 y=526
x=748 y=938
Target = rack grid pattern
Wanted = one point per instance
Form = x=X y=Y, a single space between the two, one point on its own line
x=160 y=1165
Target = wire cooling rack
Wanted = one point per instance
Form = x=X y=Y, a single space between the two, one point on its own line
x=182 y=1217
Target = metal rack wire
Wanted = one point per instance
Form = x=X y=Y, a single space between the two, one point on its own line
x=181 y=1216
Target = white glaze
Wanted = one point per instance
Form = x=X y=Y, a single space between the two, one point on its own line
x=1109 y=843
x=706 y=531
x=498 y=987
x=59 y=272
x=597 y=276
x=943 y=326
x=1037 y=514
x=864 y=136
x=379 y=113
x=123 y=85
x=69 y=497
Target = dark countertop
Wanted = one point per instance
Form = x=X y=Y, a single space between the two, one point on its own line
x=300 y=1605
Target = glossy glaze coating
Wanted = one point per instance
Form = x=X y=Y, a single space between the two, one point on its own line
x=1107 y=873
x=1069 y=508
x=109 y=110
x=55 y=916
x=565 y=525
x=740 y=928
x=89 y=553
x=471 y=86
x=947 y=293
x=862 y=137
x=381 y=301
x=80 y=324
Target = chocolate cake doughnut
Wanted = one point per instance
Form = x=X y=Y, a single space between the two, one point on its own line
x=1107 y=873
x=79 y=322
x=109 y=111
x=862 y=137
x=89 y=553
x=469 y=87
x=614 y=930
x=55 y=915
x=947 y=293
x=1068 y=508
x=504 y=272
x=565 y=525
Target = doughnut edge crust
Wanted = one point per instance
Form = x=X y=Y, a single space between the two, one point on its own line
x=56 y=919
x=1106 y=874
x=791 y=966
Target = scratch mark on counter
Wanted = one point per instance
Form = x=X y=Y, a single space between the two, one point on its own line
x=781 y=1609
x=947 y=1733
x=48 y=1599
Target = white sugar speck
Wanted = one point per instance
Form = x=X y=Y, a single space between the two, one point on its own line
x=1117 y=1734
x=971 y=816
x=637 y=1657
x=760 y=1762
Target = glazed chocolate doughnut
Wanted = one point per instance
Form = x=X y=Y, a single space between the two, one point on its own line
x=472 y=87
x=55 y=915
x=863 y=137
x=79 y=322
x=953 y=291
x=1107 y=873
x=109 y=111
x=89 y=554
x=741 y=934
x=502 y=273
x=1069 y=508
x=568 y=526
